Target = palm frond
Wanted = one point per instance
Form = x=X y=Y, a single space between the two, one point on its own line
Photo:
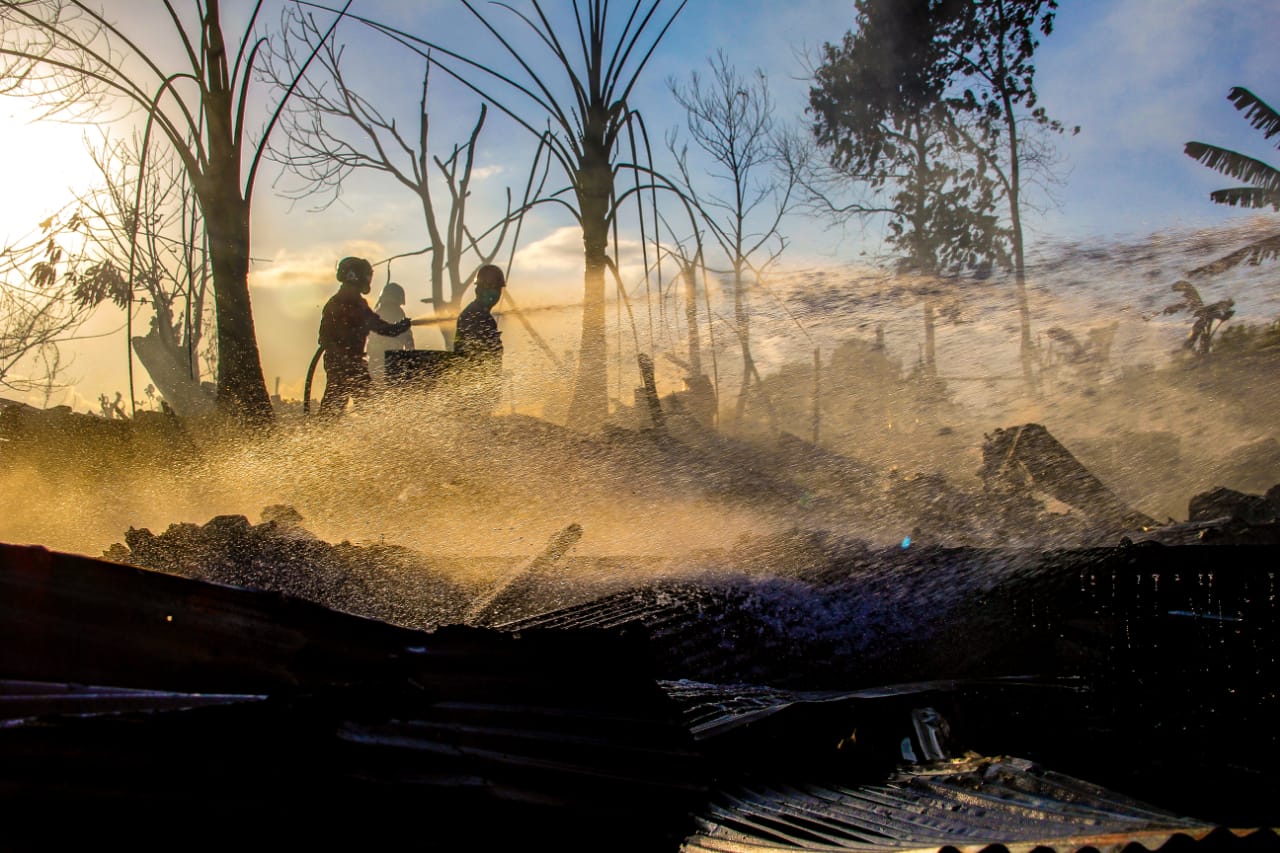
x=1233 y=164
x=653 y=46
x=546 y=33
x=1266 y=249
x=550 y=103
x=1256 y=111
x=1254 y=197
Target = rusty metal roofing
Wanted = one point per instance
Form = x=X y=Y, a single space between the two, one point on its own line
x=967 y=805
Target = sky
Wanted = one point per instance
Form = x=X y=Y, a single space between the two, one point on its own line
x=1140 y=78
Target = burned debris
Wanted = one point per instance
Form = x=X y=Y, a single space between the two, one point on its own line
x=279 y=554
x=460 y=734
x=671 y=715
x=1026 y=639
x=1030 y=457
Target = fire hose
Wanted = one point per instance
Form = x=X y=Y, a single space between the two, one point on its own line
x=315 y=360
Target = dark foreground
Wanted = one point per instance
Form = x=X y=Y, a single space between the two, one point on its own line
x=1064 y=699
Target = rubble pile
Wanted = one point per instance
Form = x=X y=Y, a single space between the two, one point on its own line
x=61 y=440
x=940 y=527
x=386 y=582
x=1223 y=516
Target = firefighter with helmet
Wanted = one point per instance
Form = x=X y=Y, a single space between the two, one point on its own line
x=345 y=325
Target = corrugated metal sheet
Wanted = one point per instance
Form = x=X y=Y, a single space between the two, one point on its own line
x=711 y=710
x=22 y=701
x=968 y=805
x=222 y=701
x=556 y=729
x=1175 y=651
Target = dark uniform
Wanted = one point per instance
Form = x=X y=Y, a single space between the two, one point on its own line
x=478 y=337
x=344 y=327
x=479 y=343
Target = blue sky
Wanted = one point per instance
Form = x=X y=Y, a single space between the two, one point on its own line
x=1141 y=78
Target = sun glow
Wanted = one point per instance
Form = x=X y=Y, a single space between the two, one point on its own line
x=44 y=164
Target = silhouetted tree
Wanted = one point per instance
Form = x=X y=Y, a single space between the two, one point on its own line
x=704 y=392
x=977 y=57
x=331 y=129
x=38 y=308
x=35 y=68
x=1263 y=180
x=200 y=107
x=990 y=48
x=157 y=227
x=591 y=127
x=878 y=112
x=749 y=187
x=1205 y=319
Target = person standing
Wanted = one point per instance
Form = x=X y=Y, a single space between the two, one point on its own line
x=345 y=325
x=479 y=343
x=390 y=307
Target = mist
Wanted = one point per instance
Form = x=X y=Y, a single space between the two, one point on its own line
x=407 y=469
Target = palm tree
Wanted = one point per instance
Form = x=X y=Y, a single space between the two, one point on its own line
x=1263 y=180
x=576 y=104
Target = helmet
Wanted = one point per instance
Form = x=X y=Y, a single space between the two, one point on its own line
x=391 y=298
x=354 y=271
x=392 y=294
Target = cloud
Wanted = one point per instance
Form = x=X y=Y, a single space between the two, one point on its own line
x=1149 y=74
x=559 y=251
x=309 y=268
x=552 y=267
x=549 y=269
x=1126 y=76
x=1141 y=78
x=482 y=173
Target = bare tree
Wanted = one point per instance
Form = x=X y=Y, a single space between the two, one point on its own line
x=34 y=69
x=37 y=311
x=591 y=128
x=158 y=225
x=38 y=308
x=200 y=106
x=703 y=392
x=331 y=130
x=730 y=118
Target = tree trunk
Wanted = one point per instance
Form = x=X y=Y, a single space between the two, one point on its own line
x=242 y=390
x=440 y=304
x=590 y=405
x=741 y=319
x=691 y=319
x=930 y=352
x=1026 y=348
x=168 y=369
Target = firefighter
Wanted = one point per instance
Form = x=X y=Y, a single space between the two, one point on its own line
x=345 y=325
x=390 y=307
x=479 y=343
